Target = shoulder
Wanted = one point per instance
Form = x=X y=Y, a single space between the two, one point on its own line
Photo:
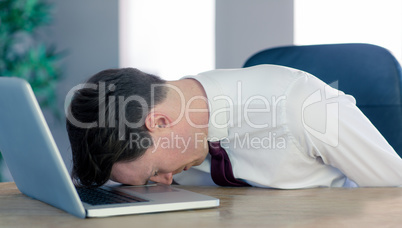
x=263 y=70
x=272 y=77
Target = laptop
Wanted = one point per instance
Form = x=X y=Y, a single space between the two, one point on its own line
x=39 y=172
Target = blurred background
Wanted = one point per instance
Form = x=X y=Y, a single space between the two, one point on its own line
x=75 y=39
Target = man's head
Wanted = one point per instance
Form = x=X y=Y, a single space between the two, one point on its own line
x=133 y=127
x=109 y=109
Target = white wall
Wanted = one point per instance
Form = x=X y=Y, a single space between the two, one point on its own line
x=244 y=27
x=88 y=31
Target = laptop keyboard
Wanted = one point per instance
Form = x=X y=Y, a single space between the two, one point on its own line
x=99 y=196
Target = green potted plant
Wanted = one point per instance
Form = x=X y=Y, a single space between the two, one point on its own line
x=23 y=54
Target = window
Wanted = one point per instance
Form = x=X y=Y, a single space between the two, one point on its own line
x=350 y=21
x=168 y=38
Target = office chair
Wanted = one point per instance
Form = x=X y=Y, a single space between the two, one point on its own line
x=370 y=73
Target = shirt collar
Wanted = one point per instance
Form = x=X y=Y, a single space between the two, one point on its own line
x=218 y=105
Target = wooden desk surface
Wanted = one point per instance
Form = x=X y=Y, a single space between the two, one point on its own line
x=240 y=207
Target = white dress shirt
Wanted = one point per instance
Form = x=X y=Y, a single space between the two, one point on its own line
x=285 y=128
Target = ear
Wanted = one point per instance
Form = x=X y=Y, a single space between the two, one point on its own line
x=155 y=121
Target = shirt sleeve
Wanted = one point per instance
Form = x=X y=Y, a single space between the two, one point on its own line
x=333 y=129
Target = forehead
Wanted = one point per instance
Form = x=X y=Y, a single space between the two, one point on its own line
x=135 y=172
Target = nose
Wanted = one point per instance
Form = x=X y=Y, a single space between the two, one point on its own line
x=164 y=178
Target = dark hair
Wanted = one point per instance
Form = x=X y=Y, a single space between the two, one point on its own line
x=103 y=141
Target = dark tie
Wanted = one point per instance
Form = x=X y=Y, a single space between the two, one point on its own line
x=221 y=169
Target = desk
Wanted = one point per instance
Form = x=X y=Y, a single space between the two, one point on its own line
x=240 y=207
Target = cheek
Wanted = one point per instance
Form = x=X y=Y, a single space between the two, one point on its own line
x=119 y=177
x=199 y=143
x=131 y=173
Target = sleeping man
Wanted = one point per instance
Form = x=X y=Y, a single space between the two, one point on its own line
x=265 y=126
